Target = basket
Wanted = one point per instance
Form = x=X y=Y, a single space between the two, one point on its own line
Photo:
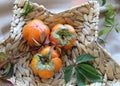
x=84 y=19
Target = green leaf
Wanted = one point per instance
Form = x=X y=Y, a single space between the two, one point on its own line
x=5 y=82
x=102 y=32
x=103 y=2
x=84 y=58
x=90 y=73
x=110 y=15
x=100 y=40
x=7 y=70
x=3 y=56
x=27 y=9
x=68 y=73
x=79 y=77
x=117 y=28
x=110 y=6
x=109 y=21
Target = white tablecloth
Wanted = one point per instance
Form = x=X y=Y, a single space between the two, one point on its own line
x=113 y=40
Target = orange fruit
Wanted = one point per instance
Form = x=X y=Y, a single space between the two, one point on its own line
x=35 y=30
x=46 y=62
x=63 y=36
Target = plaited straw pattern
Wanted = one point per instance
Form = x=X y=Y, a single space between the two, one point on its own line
x=85 y=21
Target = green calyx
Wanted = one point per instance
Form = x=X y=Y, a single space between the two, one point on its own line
x=63 y=35
x=44 y=63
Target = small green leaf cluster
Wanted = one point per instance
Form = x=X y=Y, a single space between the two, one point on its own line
x=109 y=21
x=6 y=71
x=84 y=71
x=103 y=2
x=27 y=9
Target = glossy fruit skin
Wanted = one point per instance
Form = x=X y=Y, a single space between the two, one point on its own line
x=56 y=41
x=45 y=73
x=34 y=29
x=33 y=65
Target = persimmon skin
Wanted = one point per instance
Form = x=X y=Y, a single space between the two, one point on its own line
x=33 y=65
x=58 y=63
x=46 y=49
x=34 y=30
x=56 y=41
x=46 y=73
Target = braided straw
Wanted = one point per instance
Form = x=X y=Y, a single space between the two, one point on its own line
x=84 y=19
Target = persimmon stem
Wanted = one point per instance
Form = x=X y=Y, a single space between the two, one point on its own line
x=4 y=63
x=11 y=60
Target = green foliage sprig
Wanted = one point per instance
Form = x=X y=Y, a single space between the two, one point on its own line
x=83 y=71
x=103 y=2
x=27 y=9
x=109 y=23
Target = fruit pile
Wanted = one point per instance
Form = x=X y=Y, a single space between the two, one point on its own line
x=47 y=61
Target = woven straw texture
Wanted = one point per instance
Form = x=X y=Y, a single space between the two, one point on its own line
x=84 y=19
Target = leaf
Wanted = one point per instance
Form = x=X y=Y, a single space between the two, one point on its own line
x=110 y=15
x=90 y=73
x=101 y=41
x=109 y=21
x=102 y=32
x=110 y=6
x=3 y=56
x=84 y=58
x=79 y=77
x=103 y=2
x=68 y=73
x=7 y=70
x=27 y=9
x=4 y=82
x=42 y=36
x=117 y=28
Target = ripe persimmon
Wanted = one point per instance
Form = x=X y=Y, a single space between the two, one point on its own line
x=35 y=32
x=46 y=62
x=63 y=36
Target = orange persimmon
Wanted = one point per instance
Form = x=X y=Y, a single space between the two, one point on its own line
x=46 y=62
x=35 y=32
x=63 y=36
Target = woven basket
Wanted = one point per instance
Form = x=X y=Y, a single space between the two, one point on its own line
x=84 y=19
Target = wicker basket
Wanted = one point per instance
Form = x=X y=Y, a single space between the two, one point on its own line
x=84 y=19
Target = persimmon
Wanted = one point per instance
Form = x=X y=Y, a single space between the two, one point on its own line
x=63 y=36
x=35 y=32
x=46 y=62
x=46 y=49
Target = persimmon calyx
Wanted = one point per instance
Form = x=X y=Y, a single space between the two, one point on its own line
x=63 y=35
x=36 y=42
x=44 y=63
